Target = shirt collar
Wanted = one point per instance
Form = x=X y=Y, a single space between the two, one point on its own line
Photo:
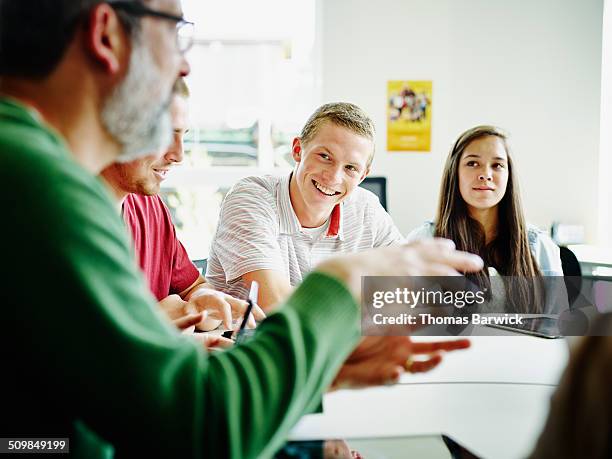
x=15 y=110
x=12 y=108
x=335 y=225
x=288 y=221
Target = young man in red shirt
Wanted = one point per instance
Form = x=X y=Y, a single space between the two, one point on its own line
x=173 y=279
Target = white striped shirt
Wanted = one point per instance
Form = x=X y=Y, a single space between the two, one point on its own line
x=258 y=229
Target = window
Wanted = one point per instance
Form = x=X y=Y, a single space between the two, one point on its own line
x=253 y=84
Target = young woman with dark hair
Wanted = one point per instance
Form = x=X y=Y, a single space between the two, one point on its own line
x=480 y=210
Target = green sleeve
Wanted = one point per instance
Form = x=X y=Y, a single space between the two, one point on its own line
x=93 y=348
x=283 y=373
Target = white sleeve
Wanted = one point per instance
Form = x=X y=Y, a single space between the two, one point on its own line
x=247 y=235
x=386 y=231
x=547 y=256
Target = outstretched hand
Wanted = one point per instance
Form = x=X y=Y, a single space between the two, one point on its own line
x=383 y=359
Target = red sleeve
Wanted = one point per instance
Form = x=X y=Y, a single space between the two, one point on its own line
x=184 y=272
x=161 y=256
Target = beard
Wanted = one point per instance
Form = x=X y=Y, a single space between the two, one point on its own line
x=133 y=113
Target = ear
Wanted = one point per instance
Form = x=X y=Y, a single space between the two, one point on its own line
x=365 y=174
x=296 y=150
x=106 y=38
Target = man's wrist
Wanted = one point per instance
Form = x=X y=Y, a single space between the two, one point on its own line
x=342 y=272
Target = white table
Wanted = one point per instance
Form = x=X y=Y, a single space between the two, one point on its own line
x=593 y=258
x=492 y=398
x=517 y=359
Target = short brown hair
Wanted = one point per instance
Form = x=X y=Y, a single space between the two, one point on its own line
x=343 y=114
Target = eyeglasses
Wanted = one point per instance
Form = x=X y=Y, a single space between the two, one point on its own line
x=184 y=29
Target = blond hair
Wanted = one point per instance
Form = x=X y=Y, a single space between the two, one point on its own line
x=343 y=114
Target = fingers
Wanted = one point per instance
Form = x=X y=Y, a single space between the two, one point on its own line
x=190 y=320
x=440 y=270
x=382 y=360
x=258 y=313
x=384 y=348
x=251 y=321
x=386 y=374
x=219 y=342
x=240 y=306
x=217 y=307
x=463 y=261
x=226 y=314
x=442 y=259
x=221 y=306
x=447 y=255
x=363 y=375
x=213 y=341
x=188 y=330
x=435 y=346
x=421 y=366
x=444 y=243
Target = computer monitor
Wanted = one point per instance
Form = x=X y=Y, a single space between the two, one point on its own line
x=378 y=186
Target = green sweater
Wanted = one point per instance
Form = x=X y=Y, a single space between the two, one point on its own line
x=86 y=354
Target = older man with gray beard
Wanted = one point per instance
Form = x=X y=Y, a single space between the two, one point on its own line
x=86 y=356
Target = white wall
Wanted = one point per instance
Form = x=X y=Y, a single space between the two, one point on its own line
x=605 y=143
x=532 y=67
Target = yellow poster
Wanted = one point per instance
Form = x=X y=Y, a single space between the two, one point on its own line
x=409 y=115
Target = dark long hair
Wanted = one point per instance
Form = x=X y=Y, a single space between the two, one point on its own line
x=509 y=252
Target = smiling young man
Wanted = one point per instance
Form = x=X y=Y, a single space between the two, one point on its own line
x=275 y=229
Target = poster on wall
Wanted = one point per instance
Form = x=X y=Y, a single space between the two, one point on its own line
x=409 y=115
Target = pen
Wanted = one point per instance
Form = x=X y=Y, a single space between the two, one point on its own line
x=251 y=300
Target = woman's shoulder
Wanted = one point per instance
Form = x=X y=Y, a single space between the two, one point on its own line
x=537 y=236
x=426 y=230
x=545 y=251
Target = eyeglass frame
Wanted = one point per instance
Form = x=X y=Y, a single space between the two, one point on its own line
x=136 y=8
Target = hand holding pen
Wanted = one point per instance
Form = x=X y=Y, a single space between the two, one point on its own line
x=252 y=310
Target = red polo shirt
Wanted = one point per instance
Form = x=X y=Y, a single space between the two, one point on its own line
x=160 y=254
